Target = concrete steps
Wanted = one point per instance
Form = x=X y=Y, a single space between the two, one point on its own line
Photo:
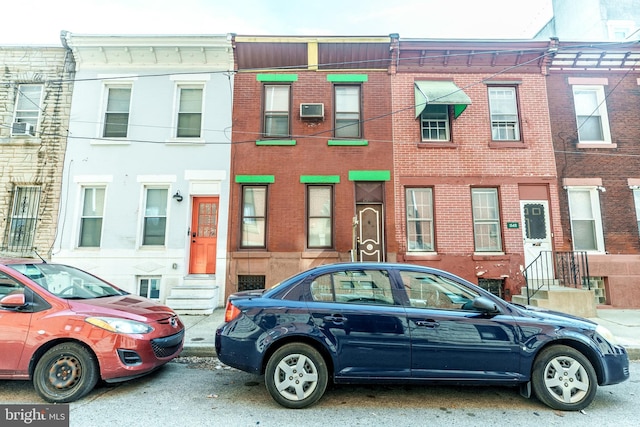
x=198 y=294
x=579 y=302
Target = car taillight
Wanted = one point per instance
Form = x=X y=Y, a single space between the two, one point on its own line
x=231 y=312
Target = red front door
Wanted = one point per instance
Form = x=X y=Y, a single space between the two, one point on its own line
x=204 y=235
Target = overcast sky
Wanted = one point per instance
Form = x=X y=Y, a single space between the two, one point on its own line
x=40 y=21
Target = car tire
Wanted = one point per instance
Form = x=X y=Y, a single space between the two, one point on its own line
x=564 y=379
x=65 y=373
x=296 y=375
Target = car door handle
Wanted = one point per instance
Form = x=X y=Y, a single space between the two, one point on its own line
x=427 y=323
x=335 y=318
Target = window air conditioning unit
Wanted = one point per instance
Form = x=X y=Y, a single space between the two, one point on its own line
x=312 y=111
x=22 y=128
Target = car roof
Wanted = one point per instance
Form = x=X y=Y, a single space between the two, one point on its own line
x=10 y=261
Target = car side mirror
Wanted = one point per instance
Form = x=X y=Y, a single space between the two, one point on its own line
x=13 y=300
x=486 y=305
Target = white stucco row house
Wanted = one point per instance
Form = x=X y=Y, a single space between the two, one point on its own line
x=146 y=174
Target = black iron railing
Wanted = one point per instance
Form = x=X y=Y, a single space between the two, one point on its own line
x=551 y=268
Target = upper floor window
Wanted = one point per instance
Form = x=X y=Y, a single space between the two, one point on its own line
x=503 y=108
x=320 y=216
x=591 y=114
x=420 y=236
x=434 y=122
x=190 y=112
x=116 y=116
x=155 y=216
x=91 y=218
x=28 y=108
x=277 y=111
x=254 y=216
x=347 y=118
x=486 y=220
x=586 y=222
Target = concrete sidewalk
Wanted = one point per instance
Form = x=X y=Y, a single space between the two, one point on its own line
x=200 y=334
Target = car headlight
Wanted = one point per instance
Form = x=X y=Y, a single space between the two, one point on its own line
x=606 y=334
x=120 y=326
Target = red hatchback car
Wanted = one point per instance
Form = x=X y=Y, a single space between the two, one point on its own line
x=65 y=329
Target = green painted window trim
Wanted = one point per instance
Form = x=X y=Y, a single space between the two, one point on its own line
x=276 y=142
x=344 y=78
x=342 y=142
x=320 y=179
x=255 y=179
x=369 y=175
x=277 y=77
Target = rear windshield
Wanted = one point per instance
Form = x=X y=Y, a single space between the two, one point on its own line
x=67 y=282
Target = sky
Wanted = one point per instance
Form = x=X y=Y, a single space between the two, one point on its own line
x=39 y=22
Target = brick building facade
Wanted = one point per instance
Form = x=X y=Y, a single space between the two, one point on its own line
x=35 y=99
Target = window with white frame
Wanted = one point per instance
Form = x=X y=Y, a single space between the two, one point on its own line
x=116 y=116
x=347 y=120
x=420 y=236
x=586 y=222
x=503 y=108
x=636 y=198
x=23 y=219
x=254 y=216
x=149 y=287
x=155 y=216
x=91 y=217
x=277 y=111
x=434 y=123
x=486 y=220
x=28 y=108
x=189 y=111
x=591 y=114
x=319 y=216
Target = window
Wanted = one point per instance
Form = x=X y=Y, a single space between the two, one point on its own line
x=636 y=198
x=486 y=220
x=504 y=114
x=434 y=122
x=116 y=116
x=91 y=218
x=149 y=287
x=155 y=216
x=276 y=111
x=437 y=292
x=347 y=112
x=355 y=287
x=190 y=112
x=420 y=235
x=591 y=114
x=24 y=216
x=28 y=105
x=254 y=216
x=586 y=223
x=320 y=216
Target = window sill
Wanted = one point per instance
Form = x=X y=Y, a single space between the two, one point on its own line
x=251 y=253
x=422 y=256
x=21 y=140
x=186 y=141
x=108 y=141
x=485 y=256
x=596 y=145
x=319 y=253
x=276 y=142
x=507 y=144
x=347 y=142
x=434 y=144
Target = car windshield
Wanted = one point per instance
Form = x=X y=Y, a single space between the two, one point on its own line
x=67 y=282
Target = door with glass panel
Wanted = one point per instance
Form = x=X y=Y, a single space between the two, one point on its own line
x=537 y=238
x=204 y=235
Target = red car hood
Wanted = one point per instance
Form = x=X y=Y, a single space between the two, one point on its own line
x=127 y=306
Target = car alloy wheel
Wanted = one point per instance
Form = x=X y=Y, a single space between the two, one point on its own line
x=564 y=379
x=296 y=375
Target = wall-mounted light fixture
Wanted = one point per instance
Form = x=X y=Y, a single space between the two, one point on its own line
x=178 y=196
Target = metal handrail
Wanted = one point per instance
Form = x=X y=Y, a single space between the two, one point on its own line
x=568 y=269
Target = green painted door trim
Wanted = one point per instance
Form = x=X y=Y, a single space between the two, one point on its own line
x=369 y=175
x=276 y=142
x=255 y=179
x=339 y=142
x=320 y=179
x=277 y=77
x=347 y=78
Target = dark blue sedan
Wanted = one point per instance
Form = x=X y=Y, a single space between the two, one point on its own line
x=376 y=322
